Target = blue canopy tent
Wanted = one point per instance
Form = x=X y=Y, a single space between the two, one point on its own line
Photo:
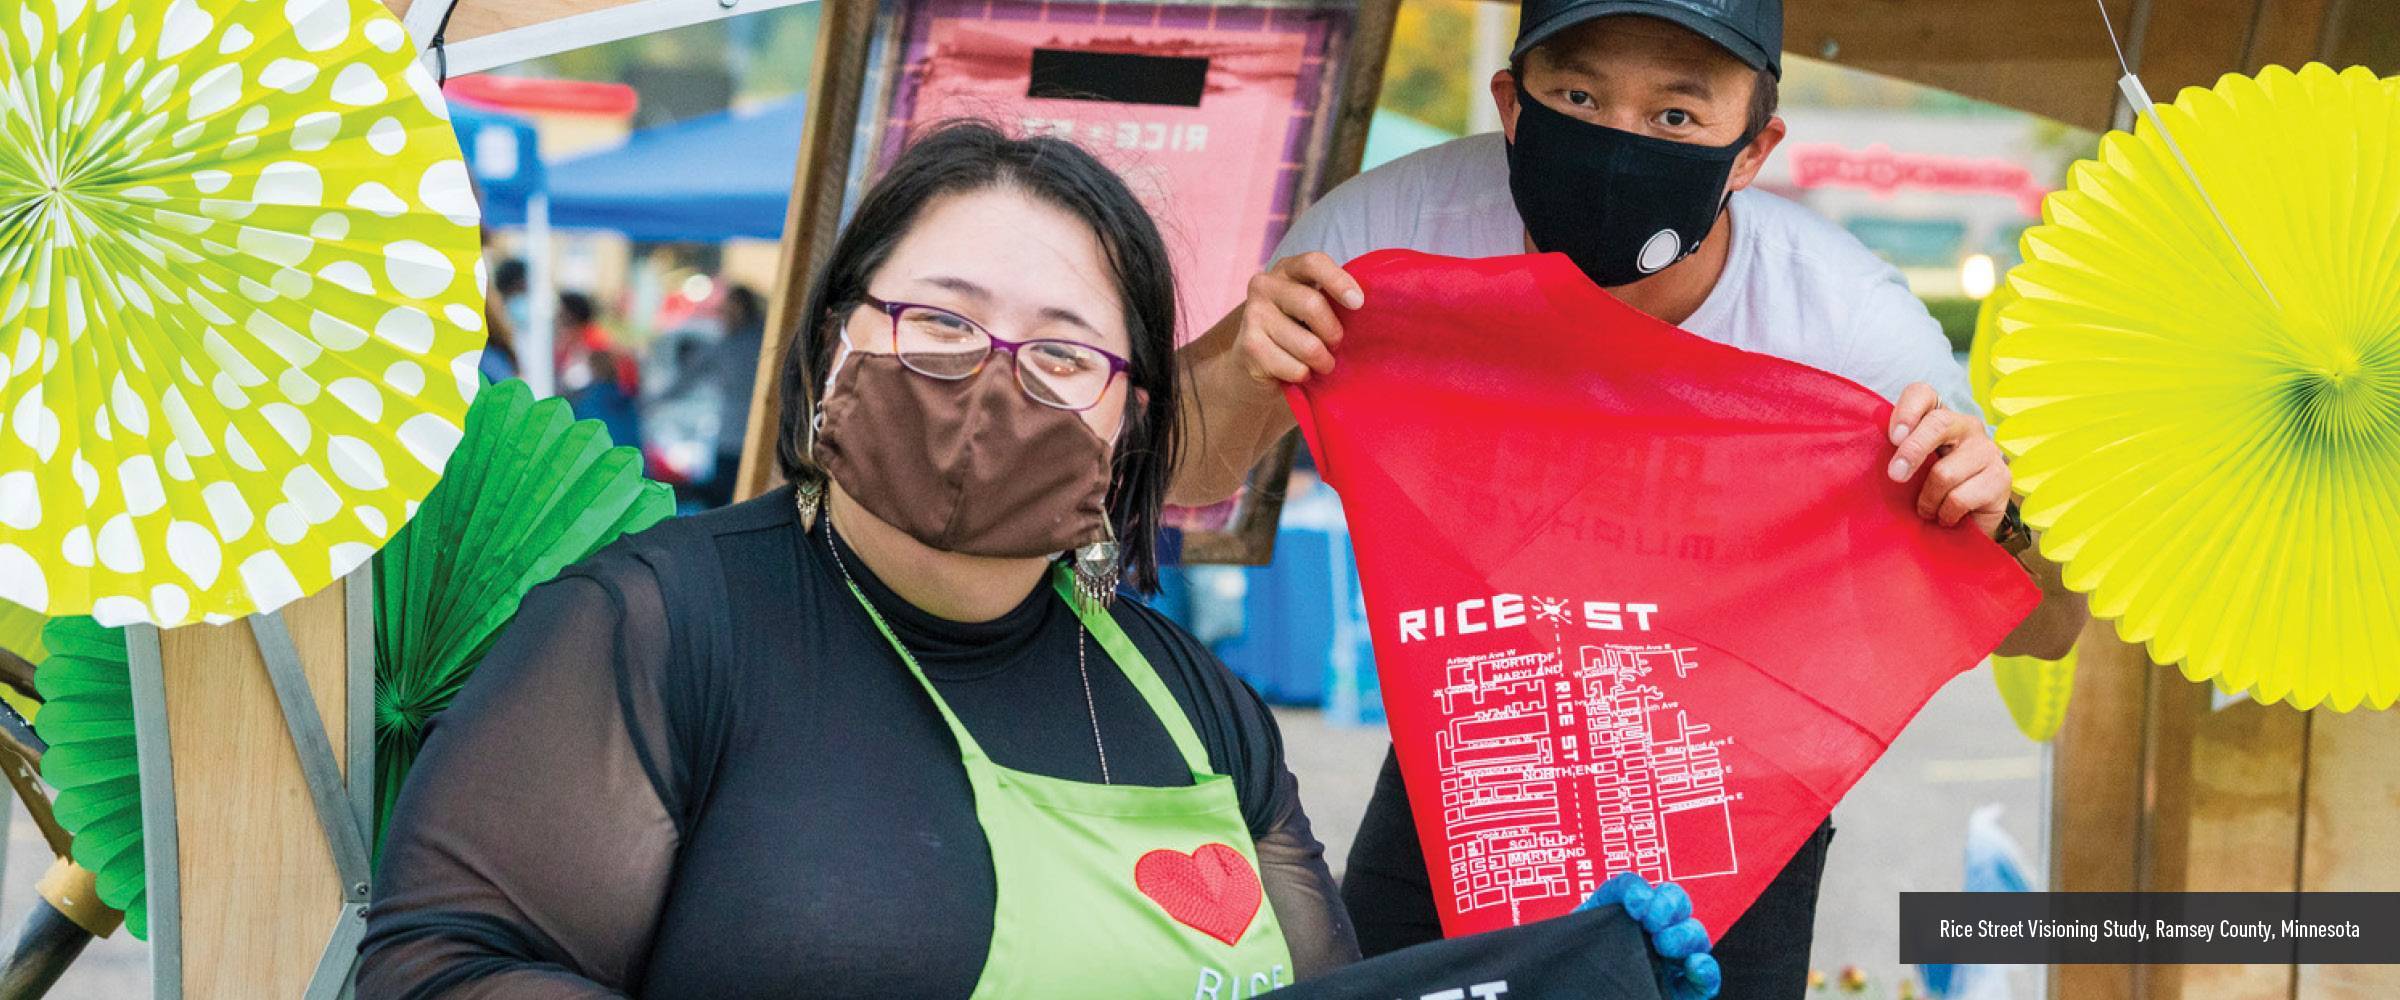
x=704 y=179
x=503 y=154
x=729 y=174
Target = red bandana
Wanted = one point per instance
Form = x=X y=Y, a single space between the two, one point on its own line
x=1640 y=601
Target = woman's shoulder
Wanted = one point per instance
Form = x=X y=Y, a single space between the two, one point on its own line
x=686 y=551
x=1233 y=722
x=1179 y=656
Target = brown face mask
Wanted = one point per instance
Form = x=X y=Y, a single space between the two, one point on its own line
x=971 y=466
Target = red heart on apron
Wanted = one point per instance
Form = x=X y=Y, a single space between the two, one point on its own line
x=1212 y=890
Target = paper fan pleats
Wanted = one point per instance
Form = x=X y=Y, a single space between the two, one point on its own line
x=529 y=491
x=240 y=301
x=2218 y=469
x=1980 y=374
x=87 y=719
x=2035 y=690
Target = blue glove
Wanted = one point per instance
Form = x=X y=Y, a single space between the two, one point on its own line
x=1685 y=969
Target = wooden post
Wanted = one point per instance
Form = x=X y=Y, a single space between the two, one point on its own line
x=2350 y=833
x=2155 y=790
x=845 y=33
x=259 y=895
x=2097 y=794
x=2242 y=826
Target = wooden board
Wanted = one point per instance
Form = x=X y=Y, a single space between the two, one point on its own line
x=2247 y=763
x=258 y=886
x=2096 y=792
x=2155 y=791
x=477 y=18
x=2050 y=57
x=2289 y=33
x=2352 y=834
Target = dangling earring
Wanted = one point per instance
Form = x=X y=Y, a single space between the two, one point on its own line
x=809 y=493
x=810 y=496
x=1097 y=570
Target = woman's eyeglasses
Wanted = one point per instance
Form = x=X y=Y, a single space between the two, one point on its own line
x=937 y=343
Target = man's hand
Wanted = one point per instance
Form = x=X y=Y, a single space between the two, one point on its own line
x=1288 y=326
x=1969 y=479
x=1685 y=968
x=1283 y=332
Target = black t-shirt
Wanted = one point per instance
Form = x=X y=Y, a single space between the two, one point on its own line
x=760 y=801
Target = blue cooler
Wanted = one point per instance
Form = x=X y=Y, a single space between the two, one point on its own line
x=1303 y=633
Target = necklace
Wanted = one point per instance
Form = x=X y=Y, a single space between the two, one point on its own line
x=1082 y=663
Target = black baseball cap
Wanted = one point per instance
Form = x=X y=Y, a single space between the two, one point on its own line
x=1750 y=29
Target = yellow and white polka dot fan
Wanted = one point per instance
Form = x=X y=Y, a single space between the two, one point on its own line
x=241 y=300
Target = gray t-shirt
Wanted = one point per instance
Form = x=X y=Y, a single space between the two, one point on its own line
x=1795 y=285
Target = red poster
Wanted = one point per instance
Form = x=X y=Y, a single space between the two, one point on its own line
x=1213 y=175
x=1640 y=601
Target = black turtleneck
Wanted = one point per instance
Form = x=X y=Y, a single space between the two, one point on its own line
x=1015 y=684
x=692 y=768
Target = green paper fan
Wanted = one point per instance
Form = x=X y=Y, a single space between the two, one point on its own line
x=241 y=301
x=87 y=719
x=2035 y=690
x=2218 y=469
x=529 y=491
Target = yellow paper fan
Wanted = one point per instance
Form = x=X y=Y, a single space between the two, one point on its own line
x=2218 y=467
x=21 y=631
x=2035 y=690
x=1980 y=375
x=241 y=301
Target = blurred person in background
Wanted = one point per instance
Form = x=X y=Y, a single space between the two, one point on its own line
x=604 y=398
x=581 y=336
x=499 y=361
x=508 y=286
x=732 y=364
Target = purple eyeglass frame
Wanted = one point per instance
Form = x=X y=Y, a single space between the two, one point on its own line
x=891 y=310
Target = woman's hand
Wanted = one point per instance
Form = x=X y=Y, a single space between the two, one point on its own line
x=1685 y=969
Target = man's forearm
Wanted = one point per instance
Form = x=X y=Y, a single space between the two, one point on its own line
x=2050 y=631
x=1229 y=418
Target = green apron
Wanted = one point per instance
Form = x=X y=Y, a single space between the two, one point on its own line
x=1117 y=891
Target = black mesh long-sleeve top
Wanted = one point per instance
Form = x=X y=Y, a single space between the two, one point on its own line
x=691 y=768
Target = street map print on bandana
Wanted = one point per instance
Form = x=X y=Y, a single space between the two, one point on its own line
x=1640 y=601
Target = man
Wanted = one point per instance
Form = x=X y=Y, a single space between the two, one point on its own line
x=1632 y=131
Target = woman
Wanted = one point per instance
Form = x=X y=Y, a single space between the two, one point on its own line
x=868 y=735
x=869 y=749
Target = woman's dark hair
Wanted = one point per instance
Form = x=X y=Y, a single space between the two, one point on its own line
x=967 y=156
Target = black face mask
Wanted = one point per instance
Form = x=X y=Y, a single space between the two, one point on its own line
x=1621 y=206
